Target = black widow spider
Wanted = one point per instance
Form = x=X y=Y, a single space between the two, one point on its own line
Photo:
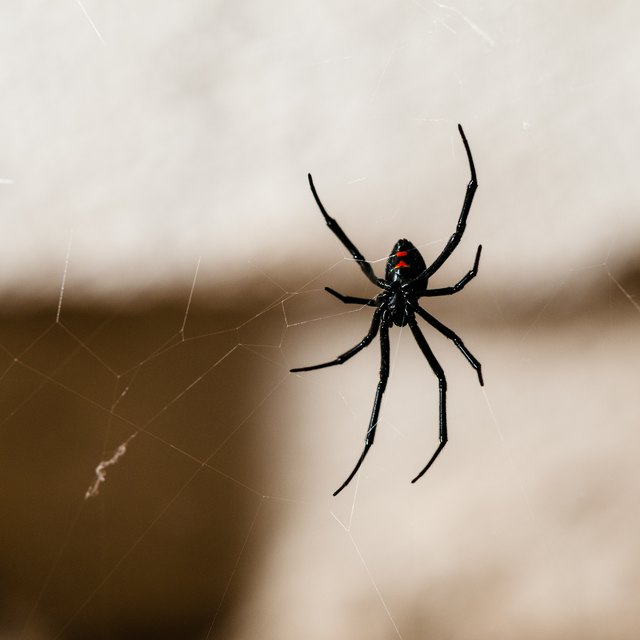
x=405 y=281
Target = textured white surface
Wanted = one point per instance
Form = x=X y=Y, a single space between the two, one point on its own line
x=160 y=132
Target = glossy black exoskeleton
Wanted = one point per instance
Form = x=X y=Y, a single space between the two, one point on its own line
x=405 y=282
x=404 y=264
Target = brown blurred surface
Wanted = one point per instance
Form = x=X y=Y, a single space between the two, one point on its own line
x=217 y=521
x=155 y=550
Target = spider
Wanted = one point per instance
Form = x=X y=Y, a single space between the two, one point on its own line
x=405 y=282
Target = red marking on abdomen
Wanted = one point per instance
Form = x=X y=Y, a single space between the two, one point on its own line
x=401 y=253
x=402 y=263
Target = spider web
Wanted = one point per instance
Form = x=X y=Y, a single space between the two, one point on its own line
x=163 y=473
x=137 y=420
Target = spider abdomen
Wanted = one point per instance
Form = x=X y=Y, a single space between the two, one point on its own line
x=404 y=264
x=404 y=267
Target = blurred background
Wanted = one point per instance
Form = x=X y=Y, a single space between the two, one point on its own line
x=162 y=265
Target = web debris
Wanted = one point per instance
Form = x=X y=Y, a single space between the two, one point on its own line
x=64 y=276
x=101 y=469
x=91 y=22
x=368 y=571
x=472 y=25
x=624 y=292
x=193 y=286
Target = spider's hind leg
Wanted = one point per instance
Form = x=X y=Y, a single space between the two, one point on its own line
x=342 y=358
x=373 y=422
x=442 y=385
x=455 y=338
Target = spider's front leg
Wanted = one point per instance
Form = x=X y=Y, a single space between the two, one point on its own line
x=454 y=240
x=351 y=299
x=442 y=385
x=382 y=384
x=366 y=267
x=461 y=284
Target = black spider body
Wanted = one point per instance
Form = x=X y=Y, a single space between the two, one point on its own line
x=404 y=265
x=405 y=282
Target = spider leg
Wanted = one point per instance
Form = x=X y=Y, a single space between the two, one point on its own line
x=342 y=236
x=382 y=384
x=455 y=338
x=454 y=240
x=442 y=384
x=458 y=286
x=373 y=330
x=350 y=299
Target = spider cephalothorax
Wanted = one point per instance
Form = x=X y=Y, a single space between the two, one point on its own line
x=405 y=282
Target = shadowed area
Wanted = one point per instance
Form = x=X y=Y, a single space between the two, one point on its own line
x=157 y=546
x=218 y=467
